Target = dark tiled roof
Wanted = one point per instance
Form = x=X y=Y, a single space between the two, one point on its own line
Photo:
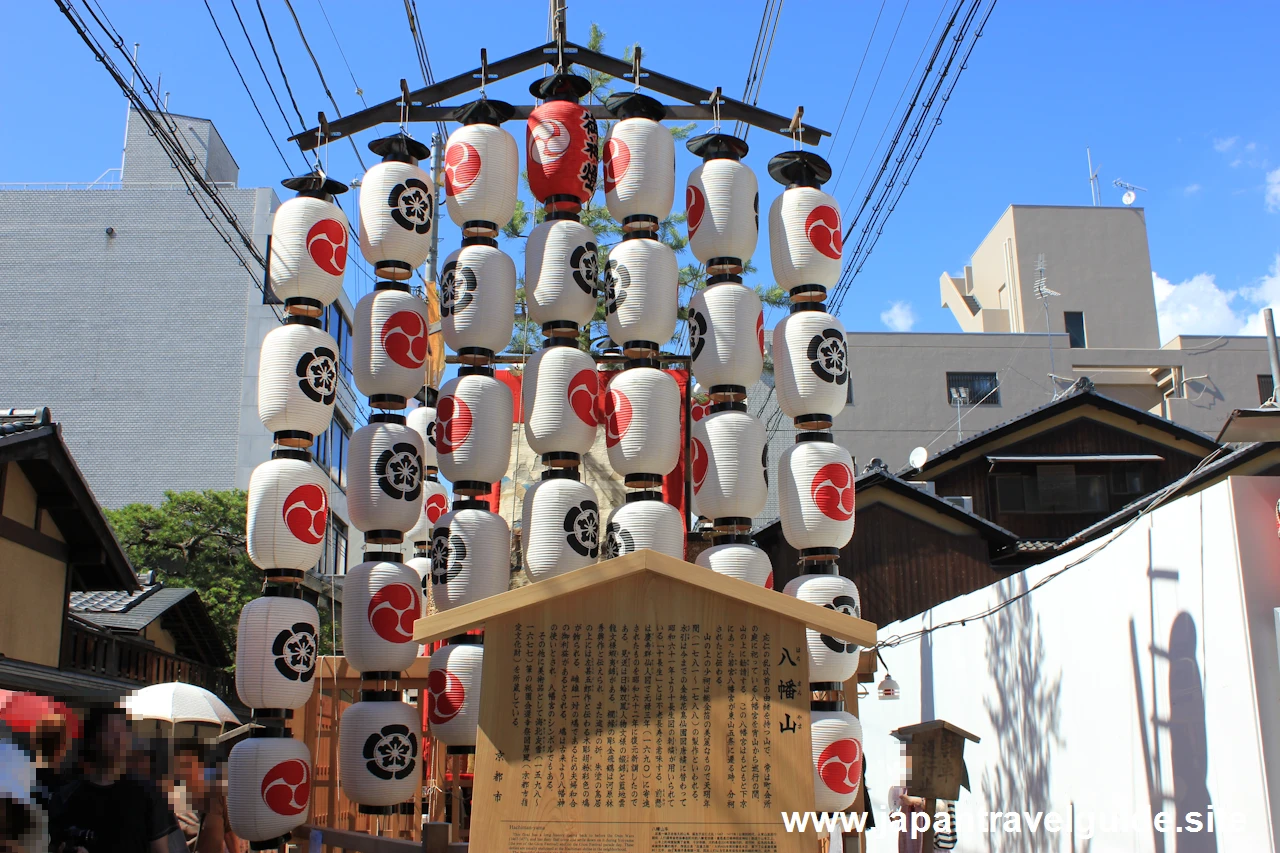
x=108 y=600
x=146 y=608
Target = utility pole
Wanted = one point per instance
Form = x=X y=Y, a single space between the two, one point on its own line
x=1272 y=351
x=437 y=177
x=1095 y=192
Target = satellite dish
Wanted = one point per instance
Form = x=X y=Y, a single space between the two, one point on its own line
x=1129 y=197
x=918 y=457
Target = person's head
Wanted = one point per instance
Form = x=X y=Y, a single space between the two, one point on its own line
x=189 y=767
x=106 y=738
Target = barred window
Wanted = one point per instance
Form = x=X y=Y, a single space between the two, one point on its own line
x=972 y=389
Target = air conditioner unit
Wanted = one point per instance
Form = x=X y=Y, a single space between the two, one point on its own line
x=965 y=503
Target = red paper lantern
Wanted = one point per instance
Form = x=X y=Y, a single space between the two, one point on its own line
x=562 y=144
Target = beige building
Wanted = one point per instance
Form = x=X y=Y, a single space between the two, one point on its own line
x=909 y=389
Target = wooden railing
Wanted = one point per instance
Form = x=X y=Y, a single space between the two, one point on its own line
x=99 y=652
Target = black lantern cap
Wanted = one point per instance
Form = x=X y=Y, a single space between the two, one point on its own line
x=314 y=185
x=799 y=169
x=635 y=105
x=401 y=148
x=483 y=111
x=560 y=87
x=718 y=146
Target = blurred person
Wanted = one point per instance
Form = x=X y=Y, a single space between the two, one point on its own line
x=23 y=823
x=200 y=803
x=105 y=809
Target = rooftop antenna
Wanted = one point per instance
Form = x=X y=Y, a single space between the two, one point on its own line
x=1130 y=191
x=1095 y=191
x=1043 y=292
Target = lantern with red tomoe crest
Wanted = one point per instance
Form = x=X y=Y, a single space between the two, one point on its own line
x=559 y=394
x=805 y=236
x=816 y=496
x=481 y=169
x=309 y=245
x=390 y=349
x=722 y=201
x=639 y=162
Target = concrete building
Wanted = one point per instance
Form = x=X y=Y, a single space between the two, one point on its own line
x=128 y=316
x=905 y=386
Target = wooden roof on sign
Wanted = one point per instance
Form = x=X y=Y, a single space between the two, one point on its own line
x=905 y=733
x=450 y=623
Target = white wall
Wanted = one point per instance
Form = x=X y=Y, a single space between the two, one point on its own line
x=1050 y=684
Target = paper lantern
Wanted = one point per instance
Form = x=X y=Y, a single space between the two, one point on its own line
x=269 y=781
x=831 y=659
x=297 y=381
x=805 y=233
x=641 y=281
x=397 y=208
x=473 y=431
x=381 y=599
x=453 y=695
x=422 y=565
x=559 y=526
x=836 y=737
x=470 y=555
x=561 y=275
x=726 y=339
x=379 y=752
x=722 y=201
x=644 y=521
x=562 y=143
x=477 y=300
x=642 y=411
x=730 y=461
x=559 y=394
x=816 y=495
x=422 y=420
x=811 y=367
x=736 y=557
x=309 y=245
x=390 y=347
x=481 y=169
x=276 y=649
x=384 y=478
x=639 y=162
x=288 y=513
x=435 y=503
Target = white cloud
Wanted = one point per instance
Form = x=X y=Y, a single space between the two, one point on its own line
x=1266 y=294
x=1198 y=306
x=899 y=317
x=1224 y=145
x=1272 y=194
x=1191 y=189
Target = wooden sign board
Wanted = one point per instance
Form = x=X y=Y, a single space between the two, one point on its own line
x=936 y=750
x=642 y=716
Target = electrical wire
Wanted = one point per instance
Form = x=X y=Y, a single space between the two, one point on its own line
x=323 y=83
x=759 y=60
x=285 y=77
x=831 y=146
x=263 y=69
x=420 y=48
x=342 y=53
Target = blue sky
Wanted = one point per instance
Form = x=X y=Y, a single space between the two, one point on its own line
x=1177 y=97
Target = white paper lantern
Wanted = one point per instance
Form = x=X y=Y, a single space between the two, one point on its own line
x=390 y=345
x=639 y=162
x=297 y=381
x=473 y=431
x=811 y=368
x=422 y=420
x=397 y=208
x=453 y=695
x=481 y=169
x=641 y=281
x=381 y=599
x=644 y=521
x=470 y=555
x=561 y=275
x=559 y=527
x=642 y=411
x=805 y=238
x=422 y=565
x=379 y=753
x=559 y=395
x=435 y=503
x=722 y=201
x=830 y=658
x=816 y=495
x=837 y=759
x=309 y=244
x=384 y=478
x=740 y=560
x=729 y=465
x=269 y=788
x=726 y=337
x=477 y=299
x=288 y=512
x=276 y=649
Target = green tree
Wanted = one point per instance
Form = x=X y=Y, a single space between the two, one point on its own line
x=197 y=540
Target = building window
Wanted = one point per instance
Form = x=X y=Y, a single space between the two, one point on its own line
x=1266 y=387
x=1074 y=321
x=333 y=560
x=973 y=389
x=337 y=325
x=1128 y=479
x=330 y=450
x=1053 y=489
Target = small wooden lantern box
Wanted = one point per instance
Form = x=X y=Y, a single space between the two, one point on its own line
x=642 y=704
x=936 y=749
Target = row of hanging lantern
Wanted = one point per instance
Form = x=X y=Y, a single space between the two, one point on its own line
x=288 y=513
x=816 y=475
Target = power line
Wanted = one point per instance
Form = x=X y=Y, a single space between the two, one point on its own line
x=420 y=48
x=831 y=147
x=323 y=83
x=263 y=69
x=759 y=59
x=342 y=53
x=302 y=121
